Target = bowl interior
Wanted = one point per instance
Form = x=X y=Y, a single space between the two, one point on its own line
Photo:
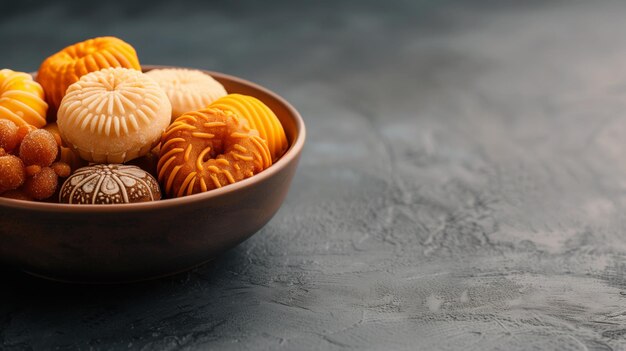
x=129 y=242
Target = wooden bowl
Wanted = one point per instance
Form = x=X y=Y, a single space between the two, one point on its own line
x=131 y=242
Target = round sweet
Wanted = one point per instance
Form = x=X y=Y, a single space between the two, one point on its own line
x=32 y=170
x=23 y=130
x=62 y=169
x=187 y=89
x=12 y=173
x=64 y=68
x=8 y=135
x=39 y=148
x=21 y=99
x=54 y=130
x=208 y=149
x=41 y=185
x=113 y=115
x=260 y=117
x=109 y=184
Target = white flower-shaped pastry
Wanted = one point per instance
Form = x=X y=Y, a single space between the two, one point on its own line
x=113 y=115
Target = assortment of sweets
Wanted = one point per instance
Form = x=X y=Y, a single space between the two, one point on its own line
x=94 y=129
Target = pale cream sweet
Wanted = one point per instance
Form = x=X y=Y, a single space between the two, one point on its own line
x=113 y=115
x=187 y=89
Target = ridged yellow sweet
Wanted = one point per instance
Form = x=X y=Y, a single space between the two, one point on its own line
x=259 y=117
x=64 y=68
x=187 y=89
x=21 y=99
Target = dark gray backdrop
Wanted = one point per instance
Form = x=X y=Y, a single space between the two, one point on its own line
x=463 y=184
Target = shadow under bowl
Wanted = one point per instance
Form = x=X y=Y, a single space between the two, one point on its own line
x=132 y=242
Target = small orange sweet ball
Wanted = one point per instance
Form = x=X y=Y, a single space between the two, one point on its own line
x=39 y=148
x=12 y=174
x=32 y=170
x=23 y=130
x=9 y=138
x=64 y=68
x=62 y=169
x=42 y=185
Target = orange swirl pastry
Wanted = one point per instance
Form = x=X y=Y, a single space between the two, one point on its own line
x=208 y=149
x=64 y=68
x=259 y=117
x=187 y=89
x=21 y=99
x=113 y=115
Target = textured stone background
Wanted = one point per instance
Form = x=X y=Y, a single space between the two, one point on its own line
x=463 y=184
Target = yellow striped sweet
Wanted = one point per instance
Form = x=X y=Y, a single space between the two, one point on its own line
x=259 y=117
x=113 y=115
x=208 y=149
x=187 y=89
x=64 y=68
x=21 y=99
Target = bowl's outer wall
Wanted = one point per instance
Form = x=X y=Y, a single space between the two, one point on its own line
x=135 y=245
x=151 y=241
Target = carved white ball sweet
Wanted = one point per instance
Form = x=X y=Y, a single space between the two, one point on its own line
x=109 y=184
x=113 y=115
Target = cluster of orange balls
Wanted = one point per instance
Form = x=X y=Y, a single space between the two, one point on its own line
x=27 y=162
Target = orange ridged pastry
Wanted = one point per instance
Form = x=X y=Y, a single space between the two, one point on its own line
x=64 y=68
x=21 y=99
x=259 y=117
x=208 y=149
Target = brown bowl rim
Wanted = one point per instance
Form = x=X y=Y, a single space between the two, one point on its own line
x=292 y=152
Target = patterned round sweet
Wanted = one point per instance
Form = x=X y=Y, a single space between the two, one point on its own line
x=187 y=89
x=64 y=68
x=208 y=149
x=21 y=99
x=260 y=117
x=113 y=115
x=109 y=184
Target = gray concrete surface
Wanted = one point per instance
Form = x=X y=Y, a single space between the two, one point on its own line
x=463 y=185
